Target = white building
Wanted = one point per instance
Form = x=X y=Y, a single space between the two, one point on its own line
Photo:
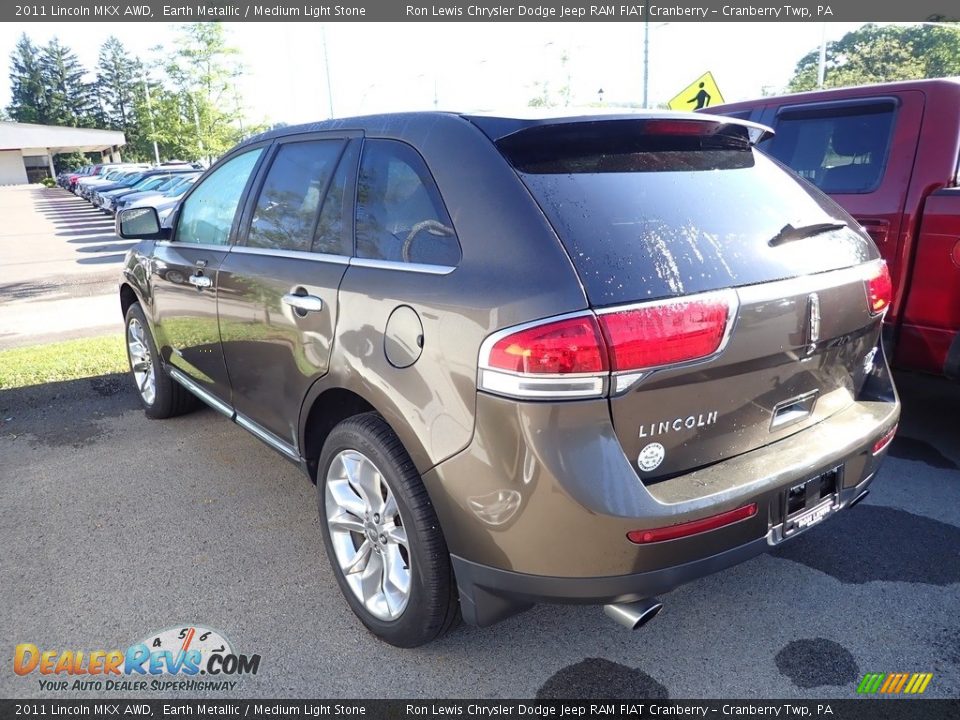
x=26 y=151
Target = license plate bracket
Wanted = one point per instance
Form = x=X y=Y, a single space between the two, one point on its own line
x=811 y=501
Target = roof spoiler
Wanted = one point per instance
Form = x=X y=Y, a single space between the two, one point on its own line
x=499 y=128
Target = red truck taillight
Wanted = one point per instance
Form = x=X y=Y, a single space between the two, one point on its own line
x=576 y=356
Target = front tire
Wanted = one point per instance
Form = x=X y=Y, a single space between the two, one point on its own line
x=160 y=396
x=382 y=535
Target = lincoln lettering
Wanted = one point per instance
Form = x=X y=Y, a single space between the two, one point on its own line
x=676 y=425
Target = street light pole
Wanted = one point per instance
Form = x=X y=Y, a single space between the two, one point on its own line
x=153 y=129
x=822 y=68
x=646 y=62
x=326 y=65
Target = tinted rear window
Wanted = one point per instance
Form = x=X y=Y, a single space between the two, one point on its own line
x=840 y=150
x=646 y=218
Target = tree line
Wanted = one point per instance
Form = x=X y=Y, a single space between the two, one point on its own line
x=875 y=54
x=185 y=99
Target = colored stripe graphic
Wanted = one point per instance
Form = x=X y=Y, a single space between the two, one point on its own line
x=894 y=683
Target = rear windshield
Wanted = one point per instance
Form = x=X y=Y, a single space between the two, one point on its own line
x=653 y=217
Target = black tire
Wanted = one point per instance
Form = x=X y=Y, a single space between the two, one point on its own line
x=433 y=607
x=170 y=398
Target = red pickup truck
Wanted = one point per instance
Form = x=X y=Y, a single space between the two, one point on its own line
x=889 y=154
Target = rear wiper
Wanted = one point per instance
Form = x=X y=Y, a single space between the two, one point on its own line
x=788 y=232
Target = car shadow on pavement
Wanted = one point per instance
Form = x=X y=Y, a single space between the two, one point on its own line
x=63 y=414
x=102 y=259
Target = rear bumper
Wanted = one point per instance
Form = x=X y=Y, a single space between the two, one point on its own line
x=537 y=508
x=488 y=595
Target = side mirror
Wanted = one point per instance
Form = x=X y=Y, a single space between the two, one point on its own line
x=141 y=224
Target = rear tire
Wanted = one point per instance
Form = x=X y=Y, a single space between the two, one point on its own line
x=160 y=395
x=382 y=535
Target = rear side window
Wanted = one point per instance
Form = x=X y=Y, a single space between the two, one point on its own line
x=840 y=151
x=646 y=216
x=400 y=215
x=289 y=202
x=331 y=237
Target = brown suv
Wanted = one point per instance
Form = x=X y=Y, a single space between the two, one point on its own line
x=570 y=360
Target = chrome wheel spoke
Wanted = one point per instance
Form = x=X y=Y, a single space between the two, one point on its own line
x=396 y=574
x=397 y=535
x=359 y=560
x=346 y=521
x=368 y=482
x=345 y=498
x=371 y=581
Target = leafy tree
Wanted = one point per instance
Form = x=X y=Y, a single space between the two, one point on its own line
x=68 y=161
x=873 y=54
x=28 y=102
x=200 y=116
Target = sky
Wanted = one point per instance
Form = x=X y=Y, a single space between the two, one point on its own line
x=383 y=67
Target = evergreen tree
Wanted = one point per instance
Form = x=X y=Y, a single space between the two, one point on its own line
x=28 y=102
x=70 y=100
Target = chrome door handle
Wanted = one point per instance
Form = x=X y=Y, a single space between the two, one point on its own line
x=200 y=281
x=303 y=303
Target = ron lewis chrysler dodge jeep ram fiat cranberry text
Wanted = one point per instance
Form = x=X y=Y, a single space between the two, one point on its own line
x=571 y=360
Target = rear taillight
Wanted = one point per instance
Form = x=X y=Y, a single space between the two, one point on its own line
x=694 y=527
x=879 y=289
x=880 y=445
x=574 y=356
x=663 y=334
x=565 y=346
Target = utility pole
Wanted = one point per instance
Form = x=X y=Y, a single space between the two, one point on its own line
x=822 y=68
x=646 y=62
x=326 y=65
x=153 y=129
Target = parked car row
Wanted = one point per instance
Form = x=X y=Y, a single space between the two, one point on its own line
x=111 y=186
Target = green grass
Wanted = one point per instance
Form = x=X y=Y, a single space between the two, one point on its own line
x=56 y=362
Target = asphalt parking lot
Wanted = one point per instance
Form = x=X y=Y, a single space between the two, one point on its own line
x=60 y=260
x=113 y=526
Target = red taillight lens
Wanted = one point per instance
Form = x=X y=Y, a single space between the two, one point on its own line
x=566 y=346
x=879 y=290
x=662 y=334
x=694 y=527
x=881 y=444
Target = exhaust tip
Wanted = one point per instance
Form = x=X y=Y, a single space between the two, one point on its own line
x=858 y=498
x=634 y=615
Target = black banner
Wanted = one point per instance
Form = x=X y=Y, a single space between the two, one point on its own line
x=476 y=11
x=854 y=709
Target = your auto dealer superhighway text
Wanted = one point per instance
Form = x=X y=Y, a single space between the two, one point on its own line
x=497 y=12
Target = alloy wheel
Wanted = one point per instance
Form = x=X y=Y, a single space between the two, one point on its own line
x=368 y=534
x=141 y=362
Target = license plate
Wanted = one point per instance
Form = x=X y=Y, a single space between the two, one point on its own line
x=812 y=517
x=809 y=502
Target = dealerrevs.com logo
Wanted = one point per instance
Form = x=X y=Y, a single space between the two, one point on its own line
x=190 y=658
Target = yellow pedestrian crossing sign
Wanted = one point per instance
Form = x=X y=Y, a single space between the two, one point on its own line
x=701 y=93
